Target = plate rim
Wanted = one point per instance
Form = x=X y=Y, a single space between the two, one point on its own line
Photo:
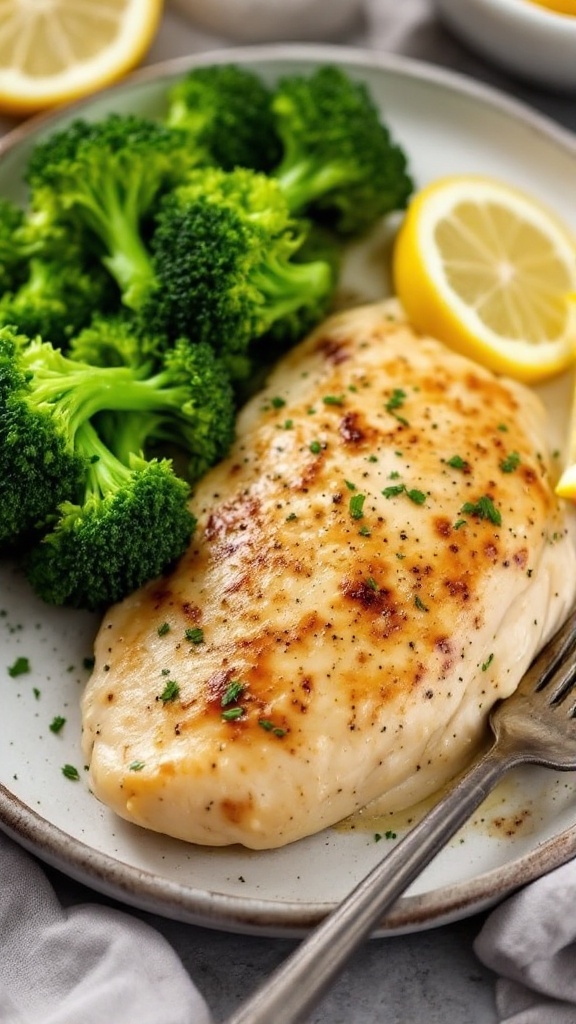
x=453 y=80
x=143 y=889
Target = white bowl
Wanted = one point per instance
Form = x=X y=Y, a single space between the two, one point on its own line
x=529 y=41
x=259 y=21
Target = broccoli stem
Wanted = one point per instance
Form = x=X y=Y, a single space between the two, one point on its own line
x=304 y=181
x=287 y=286
x=105 y=472
x=116 y=220
x=80 y=395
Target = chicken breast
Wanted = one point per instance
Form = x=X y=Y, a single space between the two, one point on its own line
x=377 y=562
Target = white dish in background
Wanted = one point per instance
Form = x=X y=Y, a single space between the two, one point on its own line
x=532 y=42
x=256 y=21
x=446 y=124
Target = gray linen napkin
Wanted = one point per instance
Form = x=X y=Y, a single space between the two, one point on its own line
x=86 y=965
x=530 y=942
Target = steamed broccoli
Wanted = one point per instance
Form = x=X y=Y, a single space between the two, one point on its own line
x=45 y=397
x=13 y=249
x=107 y=176
x=131 y=522
x=118 y=339
x=339 y=163
x=226 y=110
x=224 y=256
x=38 y=464
x=57 y=297
x=188 y=402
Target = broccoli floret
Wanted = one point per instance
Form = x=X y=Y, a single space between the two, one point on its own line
x=131 y=523
x=188 y=404
x=45 y=397
x=226 y=110
x=116 y=340
x=224 y=249
x=107 y=175
x=57 y=298
x=183 y=396
x=38 y=463
x=339 y=162
x=13 y=249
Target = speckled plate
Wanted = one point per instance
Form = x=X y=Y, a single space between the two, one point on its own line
x=446 y=124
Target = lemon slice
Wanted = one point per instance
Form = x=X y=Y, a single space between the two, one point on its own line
x=492 y=273
x=55 y=51
x=559 y=6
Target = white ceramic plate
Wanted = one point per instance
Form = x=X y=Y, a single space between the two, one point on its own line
x=446 y=124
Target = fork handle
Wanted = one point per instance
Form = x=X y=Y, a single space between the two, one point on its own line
x=298 y=984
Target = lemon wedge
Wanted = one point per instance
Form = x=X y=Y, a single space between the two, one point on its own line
x=492 y=273
x=55 y=51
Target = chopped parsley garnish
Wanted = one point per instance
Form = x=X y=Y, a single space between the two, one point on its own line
x=486 y=664
x=457 y=462
x=163 y=629
x=350 y=485
x=510 y=462
x=195 y=635
x=231 y=714
x=136 y=766
x=291 y=517
x=420 y=604
x=418 y=497
x=315 y=447
x=288 y=424
x=269 y=726
x=396 y=401
x=356 y=505
x=459 y=523
x=371 y=583
x=233 y=691
x=277 y=402
x=70 y=772
x=333 y=399
x=170 y=691
x=365 y=531
x=389 y=834
x=19 y=668
x=393 y=490
x=57 y=723
x=484 y=508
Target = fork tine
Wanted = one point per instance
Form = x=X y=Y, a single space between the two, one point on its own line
x=562 y=682
x=544 y=666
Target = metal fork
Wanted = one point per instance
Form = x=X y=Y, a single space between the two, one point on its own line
x=536 y=725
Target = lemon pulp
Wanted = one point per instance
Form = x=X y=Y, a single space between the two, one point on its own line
x=54 y=51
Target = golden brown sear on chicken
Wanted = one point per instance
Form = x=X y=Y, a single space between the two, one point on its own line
x=376 y=562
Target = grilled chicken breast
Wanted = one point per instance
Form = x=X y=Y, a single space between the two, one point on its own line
x=376 y=562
